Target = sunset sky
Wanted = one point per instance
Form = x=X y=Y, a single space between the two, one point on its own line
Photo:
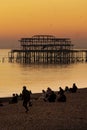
x=61 y=18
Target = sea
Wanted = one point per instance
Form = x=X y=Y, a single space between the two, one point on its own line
x=36 y=77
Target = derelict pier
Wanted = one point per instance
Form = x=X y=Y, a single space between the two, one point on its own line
x=46 y=49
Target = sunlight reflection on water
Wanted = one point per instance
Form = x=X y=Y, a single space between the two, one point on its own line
x=37 y=77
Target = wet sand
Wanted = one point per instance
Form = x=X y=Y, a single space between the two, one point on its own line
x=71 y=115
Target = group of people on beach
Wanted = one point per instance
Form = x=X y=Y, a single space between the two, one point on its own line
x=25 y=96
x=51 y=96
x=48 y=96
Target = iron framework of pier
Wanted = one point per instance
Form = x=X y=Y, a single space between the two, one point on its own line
x=45 y=49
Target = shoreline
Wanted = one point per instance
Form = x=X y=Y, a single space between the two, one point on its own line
x=33 y=95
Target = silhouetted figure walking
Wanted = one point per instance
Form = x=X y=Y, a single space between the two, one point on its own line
x=25 y=97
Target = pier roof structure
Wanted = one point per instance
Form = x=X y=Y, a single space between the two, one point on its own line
x=45 y=42
x=45 y=39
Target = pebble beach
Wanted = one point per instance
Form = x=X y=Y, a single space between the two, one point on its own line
x=69 y=115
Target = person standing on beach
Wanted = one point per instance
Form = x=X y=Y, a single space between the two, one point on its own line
x=26 y=97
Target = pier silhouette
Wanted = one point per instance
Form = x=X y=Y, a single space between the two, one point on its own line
x=47 y=49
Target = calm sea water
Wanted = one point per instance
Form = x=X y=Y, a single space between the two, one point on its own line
x=14 y=76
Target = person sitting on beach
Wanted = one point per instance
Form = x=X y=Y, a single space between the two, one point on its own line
x=48 y=92
x=61 y=91
x=61 y=95
x=74 y=88
x=43 y=96
x=14 y=99
x=61 y=98
x=50 y=95
x=66 y=89
x=26 y=97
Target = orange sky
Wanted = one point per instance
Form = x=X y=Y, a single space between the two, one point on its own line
x=24 y=18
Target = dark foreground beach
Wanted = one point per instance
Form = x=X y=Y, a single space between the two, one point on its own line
x=70 y=115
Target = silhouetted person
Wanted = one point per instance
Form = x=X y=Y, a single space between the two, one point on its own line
x=44 y=95
x=74 y=88
x=61 y=91
x=66 y=89
x=14 y=99
x=25 y=97
x=61 y=95
x=48 y=92
x=52 y=97
x=62 y=98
